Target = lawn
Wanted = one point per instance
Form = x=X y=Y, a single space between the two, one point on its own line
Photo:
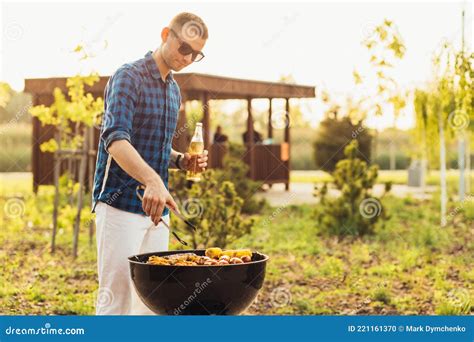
x=395 y=176
x=410 y=266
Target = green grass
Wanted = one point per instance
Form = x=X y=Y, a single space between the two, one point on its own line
x=410 y=266
x=396 y=177
x=15 y=154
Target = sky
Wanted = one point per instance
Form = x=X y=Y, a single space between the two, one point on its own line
x=317 y=43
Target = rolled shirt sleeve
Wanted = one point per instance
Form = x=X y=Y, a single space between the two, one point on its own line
x=121 y=98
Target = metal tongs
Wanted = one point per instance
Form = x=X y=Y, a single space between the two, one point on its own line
x=177 y=213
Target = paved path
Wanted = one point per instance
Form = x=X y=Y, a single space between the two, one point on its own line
x=300 y=193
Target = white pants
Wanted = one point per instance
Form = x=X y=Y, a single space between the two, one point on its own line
x=121 y=234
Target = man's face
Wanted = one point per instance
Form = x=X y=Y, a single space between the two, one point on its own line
x=172 y=41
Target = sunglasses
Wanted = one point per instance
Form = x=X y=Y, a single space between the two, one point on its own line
x=186 y=49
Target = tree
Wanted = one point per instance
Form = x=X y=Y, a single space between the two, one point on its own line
x=386 y=47
x=444 y=109
x=464 y=112
x=73 y=119
x=334 y=133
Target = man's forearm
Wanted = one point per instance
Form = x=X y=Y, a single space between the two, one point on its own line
x=132 y=163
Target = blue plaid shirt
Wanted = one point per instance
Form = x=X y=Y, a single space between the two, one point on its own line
x=143 y=109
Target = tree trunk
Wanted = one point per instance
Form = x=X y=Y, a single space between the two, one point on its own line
x=392 y=155
x=468 y=165
x=442 y=152
x=90 y=163
x=80 y=195
x=461 y=165
x=57 y=164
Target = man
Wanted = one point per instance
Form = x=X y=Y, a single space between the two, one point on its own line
x=220 y=137
x=257 y=137
x=141 y=104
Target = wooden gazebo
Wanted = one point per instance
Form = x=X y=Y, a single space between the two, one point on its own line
x=267 y=163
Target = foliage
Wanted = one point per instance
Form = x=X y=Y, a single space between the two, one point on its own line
x=70 y=114
x=14 y=105
x=385 y=46
x=235 y=170
x=447 y=100
x=333 y=134
x=355 y=211
x=391 y=273
x=5 y=94
x=213 y=206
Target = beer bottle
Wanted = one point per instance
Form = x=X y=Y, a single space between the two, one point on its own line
x=196 y=148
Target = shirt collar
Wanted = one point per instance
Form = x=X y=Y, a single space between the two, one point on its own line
x=153 y=68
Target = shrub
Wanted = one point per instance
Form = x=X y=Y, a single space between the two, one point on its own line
x=236 y=171
x=213 y=206
x=332 y=134
x=355 y=211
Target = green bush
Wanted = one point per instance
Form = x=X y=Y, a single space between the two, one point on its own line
x=334 y=133
x=213 y=206
x=235 y=170
x=355 y=211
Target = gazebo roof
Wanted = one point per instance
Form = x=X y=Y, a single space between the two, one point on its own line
x=220 y=87
x=194 y=85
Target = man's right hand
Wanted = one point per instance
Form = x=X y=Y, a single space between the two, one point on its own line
x=155 y=198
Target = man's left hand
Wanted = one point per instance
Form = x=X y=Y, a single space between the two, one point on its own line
x=197 y=163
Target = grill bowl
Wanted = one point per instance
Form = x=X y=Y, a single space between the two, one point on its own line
x=197 y=290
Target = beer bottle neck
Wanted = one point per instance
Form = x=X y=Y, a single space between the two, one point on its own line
x=197 y=134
